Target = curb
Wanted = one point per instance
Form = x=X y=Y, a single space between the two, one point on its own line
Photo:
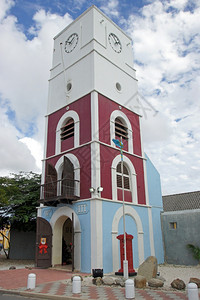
x=38 y=295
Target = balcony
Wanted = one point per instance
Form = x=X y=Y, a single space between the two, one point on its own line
x=60 y=191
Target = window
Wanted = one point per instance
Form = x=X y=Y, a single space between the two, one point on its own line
x=125 y=176
x=120 y=126
x=67 y=130
x=173 y=225
x=120 y=129
x=129 y=180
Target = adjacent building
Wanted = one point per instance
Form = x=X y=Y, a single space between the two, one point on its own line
x=180 y=226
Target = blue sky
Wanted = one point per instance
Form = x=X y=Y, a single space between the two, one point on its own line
x=166 y=43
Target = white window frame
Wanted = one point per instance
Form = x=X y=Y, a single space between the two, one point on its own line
x=132 y=178
x=125 y=175
x=59 y=168
x=68 y=115
x=119 y=114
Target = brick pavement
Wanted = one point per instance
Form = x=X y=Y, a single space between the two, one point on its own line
x=13 y=279
x=53 y=283
x=105 y=292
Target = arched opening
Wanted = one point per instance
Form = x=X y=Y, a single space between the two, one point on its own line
x=120 y=127
x=63 y=240
x=57 y=221
x=67 y=132
x=121 y=132
x=134 y=222
x=67 y=242
x=49 y=188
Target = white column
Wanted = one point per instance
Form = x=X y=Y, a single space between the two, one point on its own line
x=94 y=116
x=96 y=234
x=151 y=238
x=95 y=204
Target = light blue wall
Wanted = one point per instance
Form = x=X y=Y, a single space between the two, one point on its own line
x=154 y=184
x=157 y=229
x=84 y=219
x=47 y=212
x=109 y=209
x=155 y=200
x=143 y=213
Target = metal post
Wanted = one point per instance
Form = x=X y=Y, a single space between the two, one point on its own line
x=72 y=242
x=125 y=262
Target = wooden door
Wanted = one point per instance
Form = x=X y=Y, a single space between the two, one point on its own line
x=68 y=178
x=50 y=182
x=43 y=244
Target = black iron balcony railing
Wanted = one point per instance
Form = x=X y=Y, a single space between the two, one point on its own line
x=60 y=191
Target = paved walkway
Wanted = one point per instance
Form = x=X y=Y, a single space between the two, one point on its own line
x=53 y=284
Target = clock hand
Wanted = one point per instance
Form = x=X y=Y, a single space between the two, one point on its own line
x=115 y=40
x=72 y=40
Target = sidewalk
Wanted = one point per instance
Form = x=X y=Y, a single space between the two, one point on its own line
x=56 y=284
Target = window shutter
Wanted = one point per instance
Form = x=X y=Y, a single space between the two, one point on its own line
x=119 y=181
x=126 y=183
x=120 y=129
x=67 y=130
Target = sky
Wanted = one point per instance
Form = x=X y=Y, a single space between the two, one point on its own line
x=166 y=48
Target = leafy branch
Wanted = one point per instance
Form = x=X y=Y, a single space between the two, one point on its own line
x=195 y=250
x=19 y=195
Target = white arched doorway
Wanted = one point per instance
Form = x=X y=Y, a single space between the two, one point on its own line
x=57 y=221
x=130 y=211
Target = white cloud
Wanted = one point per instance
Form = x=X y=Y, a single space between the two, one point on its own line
x=5 y=6
x=36 y=150
x=14 y=155
x=24 y=76
x=111 y=8
x=166 y=50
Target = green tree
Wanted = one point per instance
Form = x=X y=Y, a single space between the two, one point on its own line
x=19 y=195
x=195 y=250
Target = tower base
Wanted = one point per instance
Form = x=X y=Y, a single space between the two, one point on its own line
x=130 y=273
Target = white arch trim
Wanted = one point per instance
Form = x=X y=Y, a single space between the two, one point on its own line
x=59 y=168
x=57 y=221
x=69 y=114
x=120 y=114
x=140 y=234
x=133 y=177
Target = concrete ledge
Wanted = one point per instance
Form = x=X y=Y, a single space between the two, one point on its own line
x=38 y=295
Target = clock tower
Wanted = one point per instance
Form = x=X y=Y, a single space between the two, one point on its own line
x=92 y=100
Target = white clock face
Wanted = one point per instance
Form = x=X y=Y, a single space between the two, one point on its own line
x=71 y=42
x=115 y=42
